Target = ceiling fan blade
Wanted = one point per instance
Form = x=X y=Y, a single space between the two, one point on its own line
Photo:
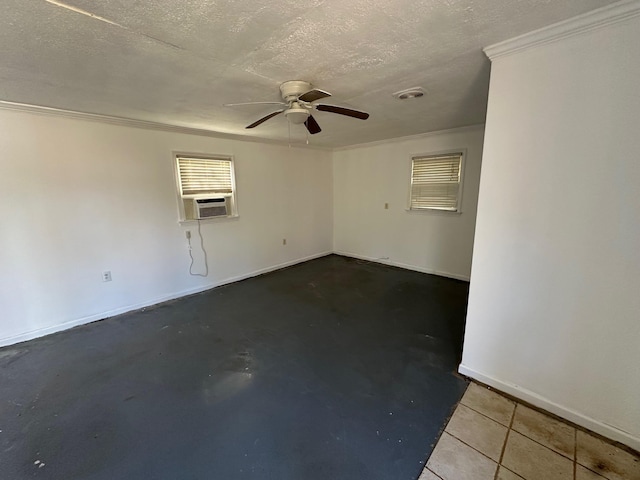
x=264 y=119
x=313 y=95
x=252 y=103
x=312 y=125
x=349 y=112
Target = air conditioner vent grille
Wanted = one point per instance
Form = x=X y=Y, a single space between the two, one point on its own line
x=211 y=207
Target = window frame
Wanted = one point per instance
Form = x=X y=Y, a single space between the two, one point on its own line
x=182 y=219
x=437 y=153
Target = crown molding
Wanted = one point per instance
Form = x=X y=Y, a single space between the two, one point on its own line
x=144 y=124
x=163 y=127
x=418 y=136
x=601 y=17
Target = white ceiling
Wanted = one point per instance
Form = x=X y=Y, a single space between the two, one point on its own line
x=178 y=61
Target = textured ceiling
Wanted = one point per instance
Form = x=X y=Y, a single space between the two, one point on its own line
x=178 y=61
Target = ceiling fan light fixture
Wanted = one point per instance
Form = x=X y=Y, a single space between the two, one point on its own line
x=415 y=92
x=296 y=115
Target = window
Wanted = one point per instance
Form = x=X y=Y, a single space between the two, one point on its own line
x=435 y=182
x=206 y=186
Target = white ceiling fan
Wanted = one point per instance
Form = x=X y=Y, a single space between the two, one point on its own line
x=298 y=97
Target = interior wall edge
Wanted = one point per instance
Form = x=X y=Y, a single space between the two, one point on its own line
x=544 y=403
x=406 y=266
x=41 y=332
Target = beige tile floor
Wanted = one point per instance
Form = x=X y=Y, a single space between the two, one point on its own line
x=491 y=437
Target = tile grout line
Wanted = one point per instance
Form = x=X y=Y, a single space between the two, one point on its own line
x=487 y=416
x=444 y=430
x=562 y=420
x=586 y=467
x=465 y=443
x=510 y=428
x=434 y=473
x=542 y=445
x=504 y=446
x=506 y=439
x=575 y=453
x=473 y=448
x=460 y=440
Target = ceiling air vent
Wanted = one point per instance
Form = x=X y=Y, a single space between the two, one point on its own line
x=415 y=92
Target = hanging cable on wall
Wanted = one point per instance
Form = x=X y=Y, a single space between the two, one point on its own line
x=204 y=251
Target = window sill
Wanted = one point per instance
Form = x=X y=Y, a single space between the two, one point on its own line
x=423 y=211
x=208 y=220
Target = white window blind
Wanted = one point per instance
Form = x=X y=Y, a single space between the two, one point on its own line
x=435 y=182
x=204 y=175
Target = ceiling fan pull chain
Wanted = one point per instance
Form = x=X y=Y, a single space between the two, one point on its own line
x=289 y=123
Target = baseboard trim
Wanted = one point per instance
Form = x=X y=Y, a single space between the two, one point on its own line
x=406 y=266
x=41 y=332
x=544 y=403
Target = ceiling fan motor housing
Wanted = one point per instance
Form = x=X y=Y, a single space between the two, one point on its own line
x=293 y=89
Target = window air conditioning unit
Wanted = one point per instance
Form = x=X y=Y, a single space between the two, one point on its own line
x=211 y=207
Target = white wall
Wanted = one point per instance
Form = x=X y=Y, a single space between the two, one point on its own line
x=367 y=177
x=80 y=197
x=554 y=304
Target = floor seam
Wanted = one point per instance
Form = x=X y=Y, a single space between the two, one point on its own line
x=541 y=444
x=575 y=453
x=506 y=439
x=429 y=470
x=473 y=448
x=487 y=416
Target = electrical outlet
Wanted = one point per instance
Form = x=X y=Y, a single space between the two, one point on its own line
x=188 y=234
x=284 y=241
x=386 y=206
x=106 y=276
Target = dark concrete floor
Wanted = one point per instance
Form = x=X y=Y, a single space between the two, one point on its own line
x=331 y=369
